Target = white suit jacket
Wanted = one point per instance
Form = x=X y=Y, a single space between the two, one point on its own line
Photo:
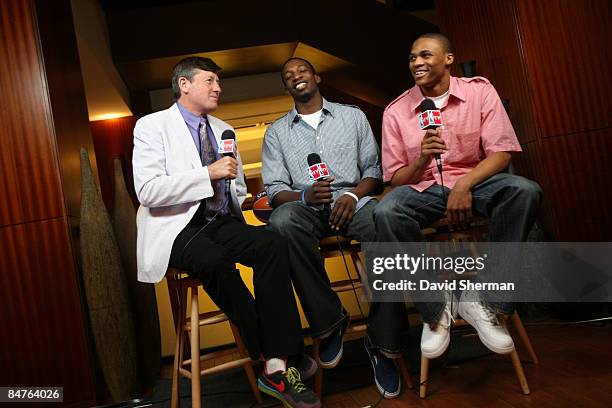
x=170 y=182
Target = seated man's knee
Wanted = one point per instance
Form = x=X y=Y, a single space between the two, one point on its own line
x=527 y=190
x=393 y=206
x=385 y=209
x=285 y=217
x=271 y=242
x=214 y=262
x=533 y=191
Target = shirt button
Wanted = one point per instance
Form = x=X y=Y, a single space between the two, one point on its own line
x=320 y=151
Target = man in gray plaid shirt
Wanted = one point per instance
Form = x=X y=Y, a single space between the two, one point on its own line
x=305 y=211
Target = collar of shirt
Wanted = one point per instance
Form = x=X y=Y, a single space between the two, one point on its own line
x=454 y=89
x=328 y=108
x=192 y=120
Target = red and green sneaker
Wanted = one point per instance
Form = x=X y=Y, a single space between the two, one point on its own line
x=289 y=388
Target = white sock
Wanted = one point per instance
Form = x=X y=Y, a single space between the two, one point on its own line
x=275 y=364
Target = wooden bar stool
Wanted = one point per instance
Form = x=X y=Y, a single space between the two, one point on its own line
x=187 y=356
x=474 y=231
x=330 y=248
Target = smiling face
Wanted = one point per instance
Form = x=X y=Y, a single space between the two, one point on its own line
x=300 y=80
x=201 y=94
x=430 y=65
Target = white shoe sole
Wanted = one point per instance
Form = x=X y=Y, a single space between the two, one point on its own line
x=385 y=394
x=388 y=395
x=334 y=362
x=432 y=355
x=494 y=349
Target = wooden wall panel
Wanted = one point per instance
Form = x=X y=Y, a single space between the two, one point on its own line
x=579 y=167
x=567 y=44
x=114 y=138
x=487 y=32
x=42 y=341
x=551 y=59
x=10 y=210
x=25 y=129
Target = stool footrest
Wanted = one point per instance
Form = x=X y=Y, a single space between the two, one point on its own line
x=220 y=368
x=357 y=328
x=216 y=316
x=212 y=355
x=346 y=285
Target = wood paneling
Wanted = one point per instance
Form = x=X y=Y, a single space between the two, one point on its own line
x=579 y=168
x=33 y=186
x=114 y=138
x=551 y=59
x=487 y=32
x=43 y=340
x=44 y=337
x=567 y=44
x=10 y=210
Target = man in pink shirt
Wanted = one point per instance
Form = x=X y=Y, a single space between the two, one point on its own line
x=475 y=144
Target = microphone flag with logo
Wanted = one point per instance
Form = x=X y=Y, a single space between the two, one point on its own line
x=317 y=170
x=227 y=147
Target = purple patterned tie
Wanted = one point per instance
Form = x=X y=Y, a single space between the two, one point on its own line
x=218 y=201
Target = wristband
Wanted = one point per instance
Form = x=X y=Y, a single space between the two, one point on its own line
x=303 y=197
x=352 y=195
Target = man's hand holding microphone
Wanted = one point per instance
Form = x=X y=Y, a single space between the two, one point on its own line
x=320 y=193
x=224 y=168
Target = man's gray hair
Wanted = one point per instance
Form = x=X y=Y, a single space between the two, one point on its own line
x=186 y=68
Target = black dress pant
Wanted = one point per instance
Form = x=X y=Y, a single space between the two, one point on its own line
x=270 y=323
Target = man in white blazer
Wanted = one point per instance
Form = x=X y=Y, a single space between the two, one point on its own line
x=189 y=219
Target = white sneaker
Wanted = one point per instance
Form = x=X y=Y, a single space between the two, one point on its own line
x=434 y=342
x=491 y=332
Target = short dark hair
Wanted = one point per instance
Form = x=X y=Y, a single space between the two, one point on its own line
x=441 y=38
x=186 y=68
x=312 y=68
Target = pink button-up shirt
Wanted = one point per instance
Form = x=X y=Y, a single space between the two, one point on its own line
x=475 y=125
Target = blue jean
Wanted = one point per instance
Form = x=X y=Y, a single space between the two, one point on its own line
x=303 y=227
x=511 y=202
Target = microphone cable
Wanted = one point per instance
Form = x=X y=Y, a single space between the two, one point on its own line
x=348 y=274
x=444 y=197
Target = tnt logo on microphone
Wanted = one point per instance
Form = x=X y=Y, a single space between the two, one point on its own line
x=430 y=118
x=227 y=146
x=436 y=117
x=424 y=119
x=318 y=171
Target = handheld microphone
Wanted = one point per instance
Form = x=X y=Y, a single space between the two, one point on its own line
x=228 y=148
x=317 y=170
x=430 y=118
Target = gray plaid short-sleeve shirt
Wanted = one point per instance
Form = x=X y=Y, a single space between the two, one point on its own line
x=343 y=139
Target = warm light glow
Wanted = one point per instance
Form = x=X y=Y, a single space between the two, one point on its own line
x=113 y=115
